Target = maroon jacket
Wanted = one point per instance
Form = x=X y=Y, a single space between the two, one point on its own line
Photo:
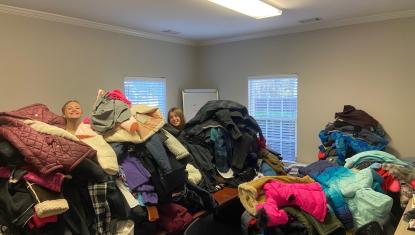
x=39 y=112
x=46 y=153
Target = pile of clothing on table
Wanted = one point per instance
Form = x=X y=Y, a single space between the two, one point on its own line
x=124 y=171
x=324 y=198
x=227 y=145
x=352 y=132
x=352 y=187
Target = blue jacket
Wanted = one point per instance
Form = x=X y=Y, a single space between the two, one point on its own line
x=351 y=195
x=329 y=180
x=346 y=143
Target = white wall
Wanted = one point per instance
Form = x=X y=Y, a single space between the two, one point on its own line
x=47 y=62
x=370 y=66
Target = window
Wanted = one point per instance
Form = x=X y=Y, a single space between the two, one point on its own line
x=272 y=101
x=149 y=91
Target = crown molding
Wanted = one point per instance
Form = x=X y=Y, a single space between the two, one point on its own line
x=315 y=26
x=89 y=24
x=128 y=31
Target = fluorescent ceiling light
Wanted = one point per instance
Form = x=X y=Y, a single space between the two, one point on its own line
x=254 y=8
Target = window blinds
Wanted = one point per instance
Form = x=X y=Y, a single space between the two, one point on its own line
x=272 y=101
x=149 y=91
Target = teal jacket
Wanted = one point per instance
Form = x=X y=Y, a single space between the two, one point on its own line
x=365 y=203
x=374 y=155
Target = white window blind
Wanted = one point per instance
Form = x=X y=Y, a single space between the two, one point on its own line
x=149 y=91
x=273 y=103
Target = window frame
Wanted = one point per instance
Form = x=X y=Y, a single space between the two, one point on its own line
x=150 y=79
x=279 y=76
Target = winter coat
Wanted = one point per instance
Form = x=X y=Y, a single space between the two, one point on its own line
x=329 y=176
x=346 y=143
x=39 y=112
x=149 y=119
x=365 y=203
x=378 y=156
x=106 y=157
x=309 y=197
x=251 y=193
x=47 y=153
x=351 y=195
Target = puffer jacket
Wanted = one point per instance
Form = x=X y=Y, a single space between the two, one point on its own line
x=329 y=176
x=365 y=203
x=351 y=195
x=309 y=197
x=39 y=112
x=47 y=153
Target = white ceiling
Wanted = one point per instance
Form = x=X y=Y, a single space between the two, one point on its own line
x=202 y=21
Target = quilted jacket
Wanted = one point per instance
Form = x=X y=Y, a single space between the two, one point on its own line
x=39 y=112
x=47 y=153
x=309 y=197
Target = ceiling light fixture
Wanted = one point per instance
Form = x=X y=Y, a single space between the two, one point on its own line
x=254 y=8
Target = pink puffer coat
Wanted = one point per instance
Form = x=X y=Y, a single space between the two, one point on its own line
x=308 y=197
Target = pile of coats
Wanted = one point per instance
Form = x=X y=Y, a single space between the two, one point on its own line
x=124 y=171
x=353 y=186
x=353 y=131
x=226 y=143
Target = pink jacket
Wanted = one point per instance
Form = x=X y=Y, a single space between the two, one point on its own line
x=308 y=197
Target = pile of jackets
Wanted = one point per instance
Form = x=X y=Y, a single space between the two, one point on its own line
x=124 y=170
x=352 y=132
x=225 y=144
x=121 y=173
x=356 y=198
x=398 y=175
x=286 y=205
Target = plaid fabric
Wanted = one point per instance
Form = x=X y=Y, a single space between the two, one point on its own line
x=98 y=194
